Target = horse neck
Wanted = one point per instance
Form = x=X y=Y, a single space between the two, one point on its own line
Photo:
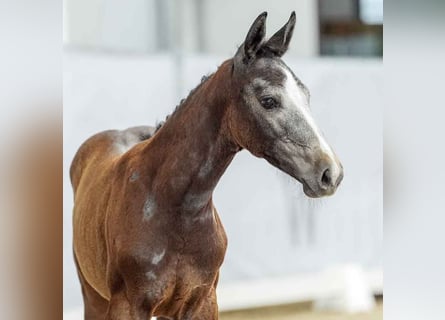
x=194 y=147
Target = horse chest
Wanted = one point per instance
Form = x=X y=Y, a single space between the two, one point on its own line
x=188 y=269
x=204 y=244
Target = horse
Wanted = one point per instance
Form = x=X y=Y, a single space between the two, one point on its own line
x=148 y=241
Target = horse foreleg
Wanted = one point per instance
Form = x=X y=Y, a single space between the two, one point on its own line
x=95 y=306
x=127 y=306
x=209 y=308
x=202 y=308
x=119 y=308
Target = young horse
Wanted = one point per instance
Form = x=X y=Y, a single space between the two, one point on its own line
x=147 y=239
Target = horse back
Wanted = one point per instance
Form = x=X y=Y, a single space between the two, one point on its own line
x=104 y=147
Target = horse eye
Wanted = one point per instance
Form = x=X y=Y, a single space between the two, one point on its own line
x=269 y=103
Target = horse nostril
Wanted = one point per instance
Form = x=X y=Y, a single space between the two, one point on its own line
x=326 y=179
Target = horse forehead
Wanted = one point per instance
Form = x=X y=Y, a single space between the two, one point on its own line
x=275 y=73
x=294 y=89
x=270 y=70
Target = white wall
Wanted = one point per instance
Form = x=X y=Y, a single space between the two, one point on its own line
x=227 y=23
x=136 y=25
x=113 y=25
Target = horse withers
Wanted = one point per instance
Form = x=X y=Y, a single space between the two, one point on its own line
x=147 y=238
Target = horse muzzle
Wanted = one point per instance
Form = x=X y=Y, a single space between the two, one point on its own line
x=325 y=183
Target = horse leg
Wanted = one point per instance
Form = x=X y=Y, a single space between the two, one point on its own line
x=209 y=308
x=95 y=306
x=119 y=308
x=201 y=308
x=128 y=307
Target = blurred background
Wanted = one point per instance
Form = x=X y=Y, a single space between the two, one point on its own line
x=129 y=63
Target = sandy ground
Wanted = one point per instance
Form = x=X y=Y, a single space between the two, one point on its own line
x=299 y=312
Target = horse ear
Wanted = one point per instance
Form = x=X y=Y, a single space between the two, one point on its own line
x=279 y=42
x=254 y=38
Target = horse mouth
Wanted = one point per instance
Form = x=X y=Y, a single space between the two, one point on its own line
x=311 y=193
x=308 y=189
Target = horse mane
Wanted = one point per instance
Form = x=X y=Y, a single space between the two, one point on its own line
x=204 y=78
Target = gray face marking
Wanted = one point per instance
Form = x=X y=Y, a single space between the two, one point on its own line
x=300 y=101
x=149 y=208
x=286 y=135
x=292 y=121
x=157 y=257
x=151 y=275
x=134 y=176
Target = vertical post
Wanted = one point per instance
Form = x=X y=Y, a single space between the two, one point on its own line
x=199 y=13
x=161 y=24
x=177 y=45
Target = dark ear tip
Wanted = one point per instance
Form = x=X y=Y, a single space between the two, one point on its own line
x=293 y=16
x=263 y=15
